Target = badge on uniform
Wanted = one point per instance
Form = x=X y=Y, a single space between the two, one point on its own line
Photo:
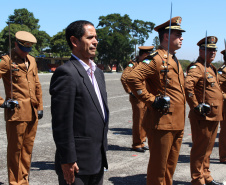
x=147 y=61
x=14 y=67
x=192 y=67
x=139 y=92
x=0 y=60
x=220 y=72
x=130 y=65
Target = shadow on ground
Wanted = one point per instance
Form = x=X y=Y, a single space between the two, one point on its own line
x=180 y=183
x=42 y=165
x=139 y=179
x=121 y=131
x=118 y=148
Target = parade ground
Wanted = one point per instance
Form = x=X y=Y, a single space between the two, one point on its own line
x=126 y=167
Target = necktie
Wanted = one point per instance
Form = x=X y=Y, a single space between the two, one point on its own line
x=175 y=59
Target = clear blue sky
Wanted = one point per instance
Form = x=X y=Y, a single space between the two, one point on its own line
x=197 y=17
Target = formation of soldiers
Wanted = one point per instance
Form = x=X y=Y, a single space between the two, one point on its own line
x=158 y=94
x=159 y=82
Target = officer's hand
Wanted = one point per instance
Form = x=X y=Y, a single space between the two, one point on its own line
x=203 y=109
x=161 y=103
x=10 y=104
x=40 y=114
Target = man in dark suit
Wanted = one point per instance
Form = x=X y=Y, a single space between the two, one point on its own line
x=79 y=111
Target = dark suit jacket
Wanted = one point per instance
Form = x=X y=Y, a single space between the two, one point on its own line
x=79 y=128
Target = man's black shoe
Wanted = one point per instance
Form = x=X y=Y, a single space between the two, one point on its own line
x=214 y=183
x=139 y=150
x=145 y=148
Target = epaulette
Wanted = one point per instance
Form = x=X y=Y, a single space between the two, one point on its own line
x=131 y=65
x=150 y=57
x=191 y=66
x=222 y=67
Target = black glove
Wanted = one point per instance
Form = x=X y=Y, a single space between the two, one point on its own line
x=161 y=103
x=40 y=114
x=10 y=104
x=203 y=109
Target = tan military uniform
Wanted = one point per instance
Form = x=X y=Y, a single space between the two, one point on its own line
x=222 y=135
x=21 y=123
x=204 y=128
x=164 y=132
x=138 y=107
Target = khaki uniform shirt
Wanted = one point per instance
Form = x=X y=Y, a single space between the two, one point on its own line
x=125 y=73
x=151 y=71
x=26 y=87
x=194 y=90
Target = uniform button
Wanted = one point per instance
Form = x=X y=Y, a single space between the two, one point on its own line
x=30 y=89
x=28 y=81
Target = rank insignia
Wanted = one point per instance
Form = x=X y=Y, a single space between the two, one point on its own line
x=192 y=67
x=178 y=21
x=130 y=65
x=147 y=61
x=0 y=60
x=220 y=72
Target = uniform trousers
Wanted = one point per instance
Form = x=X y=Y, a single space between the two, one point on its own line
x=139 y=134
x=20 y=136
x=203 y=137
x=222 y=139
x=165 y=147
x=96 y=179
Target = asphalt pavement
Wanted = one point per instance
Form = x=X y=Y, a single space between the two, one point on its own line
x=126 y=167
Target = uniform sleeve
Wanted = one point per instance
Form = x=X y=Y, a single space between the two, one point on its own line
x=193 y=76
x=4 y=68
x=125 y=73
x=136 y=79
x=38 y=90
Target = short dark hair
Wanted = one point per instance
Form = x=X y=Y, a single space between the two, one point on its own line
x=76 y=29
x=162 y=32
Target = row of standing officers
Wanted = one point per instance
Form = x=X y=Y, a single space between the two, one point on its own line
x=161 y=89
x=157 y=86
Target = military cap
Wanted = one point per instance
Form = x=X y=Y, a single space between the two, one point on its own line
x=175 y=25
x=146 y=48
x=223 y=52
x=25 y=40
x=211 y=42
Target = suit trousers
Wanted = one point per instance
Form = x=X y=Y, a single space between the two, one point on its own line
x=203 y=137
x=20 y=136
x=165 y=147
x=96 y=179
x=222 y=139
x=139 y=134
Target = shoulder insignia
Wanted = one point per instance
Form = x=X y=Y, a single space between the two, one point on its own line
x=147 y=61
x=0 y=60
x=153 y=54
x=220 y=72
x=130 y=65
x=192 y=67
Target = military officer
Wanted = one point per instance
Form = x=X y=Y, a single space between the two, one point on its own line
x=222 y=135
x=23 y=106
x=165 y=99
x=205 y=101
x=138 y=107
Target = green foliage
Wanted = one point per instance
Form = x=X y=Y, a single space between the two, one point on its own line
x=185 y=64
x=156 y=43
x=4 y=36
x=23 y=20
x=218 y=64
x=59 y=46
x=117 y=36
x=24 y=17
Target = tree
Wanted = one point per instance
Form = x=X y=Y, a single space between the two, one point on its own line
x=43 y=40
x=24 y=17
x=4 y=36
x=117 y=36
x=59 y=46
x=156 y=42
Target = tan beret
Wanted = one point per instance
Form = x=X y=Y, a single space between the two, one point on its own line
x=25 y=36
x=146 y=48
x=211 y=42
x=175 y=25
